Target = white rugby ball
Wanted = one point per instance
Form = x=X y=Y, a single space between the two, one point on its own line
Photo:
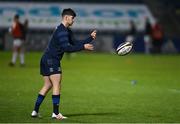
x=124 y=48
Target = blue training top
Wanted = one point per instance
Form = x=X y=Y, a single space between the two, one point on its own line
x=62 y=41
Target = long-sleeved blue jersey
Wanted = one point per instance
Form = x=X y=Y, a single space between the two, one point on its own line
x=62 y=41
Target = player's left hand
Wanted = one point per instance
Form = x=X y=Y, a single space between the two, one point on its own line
x=93 y=34
x=88 y=47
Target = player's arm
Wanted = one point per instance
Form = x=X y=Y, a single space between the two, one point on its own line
x=12 y=28
x=87 y=40
x=67 y=47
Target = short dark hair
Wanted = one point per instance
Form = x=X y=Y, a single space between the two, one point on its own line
x=16 y=16
x=68 y=11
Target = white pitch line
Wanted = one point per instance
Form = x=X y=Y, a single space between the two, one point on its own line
x=174 y=90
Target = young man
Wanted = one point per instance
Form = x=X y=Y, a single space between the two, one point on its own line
x=50 y=67
x=17 y=32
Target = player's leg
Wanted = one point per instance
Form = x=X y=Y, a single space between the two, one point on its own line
x=56 y=82
x=44 y=90
x=15 y=53
x=147 y=43
x=22 y=54
x=46 y=87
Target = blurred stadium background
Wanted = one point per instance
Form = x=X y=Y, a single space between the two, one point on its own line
x=98 y=86
x=110 y=18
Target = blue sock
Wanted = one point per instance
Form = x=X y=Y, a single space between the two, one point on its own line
x=56 y=101
x=39 y=100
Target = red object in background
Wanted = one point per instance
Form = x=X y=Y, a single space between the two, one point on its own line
x=17 y=30
x=157 y=32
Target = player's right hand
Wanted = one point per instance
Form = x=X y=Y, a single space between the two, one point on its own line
x=88 y=47
x=93 y=34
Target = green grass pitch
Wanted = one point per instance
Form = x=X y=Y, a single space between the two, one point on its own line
x=95 y=88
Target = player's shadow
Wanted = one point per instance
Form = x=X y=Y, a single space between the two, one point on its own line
x=96 y=114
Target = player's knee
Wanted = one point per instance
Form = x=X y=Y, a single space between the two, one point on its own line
x=58 y=84
x=48 y=86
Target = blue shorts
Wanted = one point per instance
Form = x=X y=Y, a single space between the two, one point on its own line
x=49 y=66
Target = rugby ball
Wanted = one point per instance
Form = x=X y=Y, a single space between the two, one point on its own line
x=124 y=48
